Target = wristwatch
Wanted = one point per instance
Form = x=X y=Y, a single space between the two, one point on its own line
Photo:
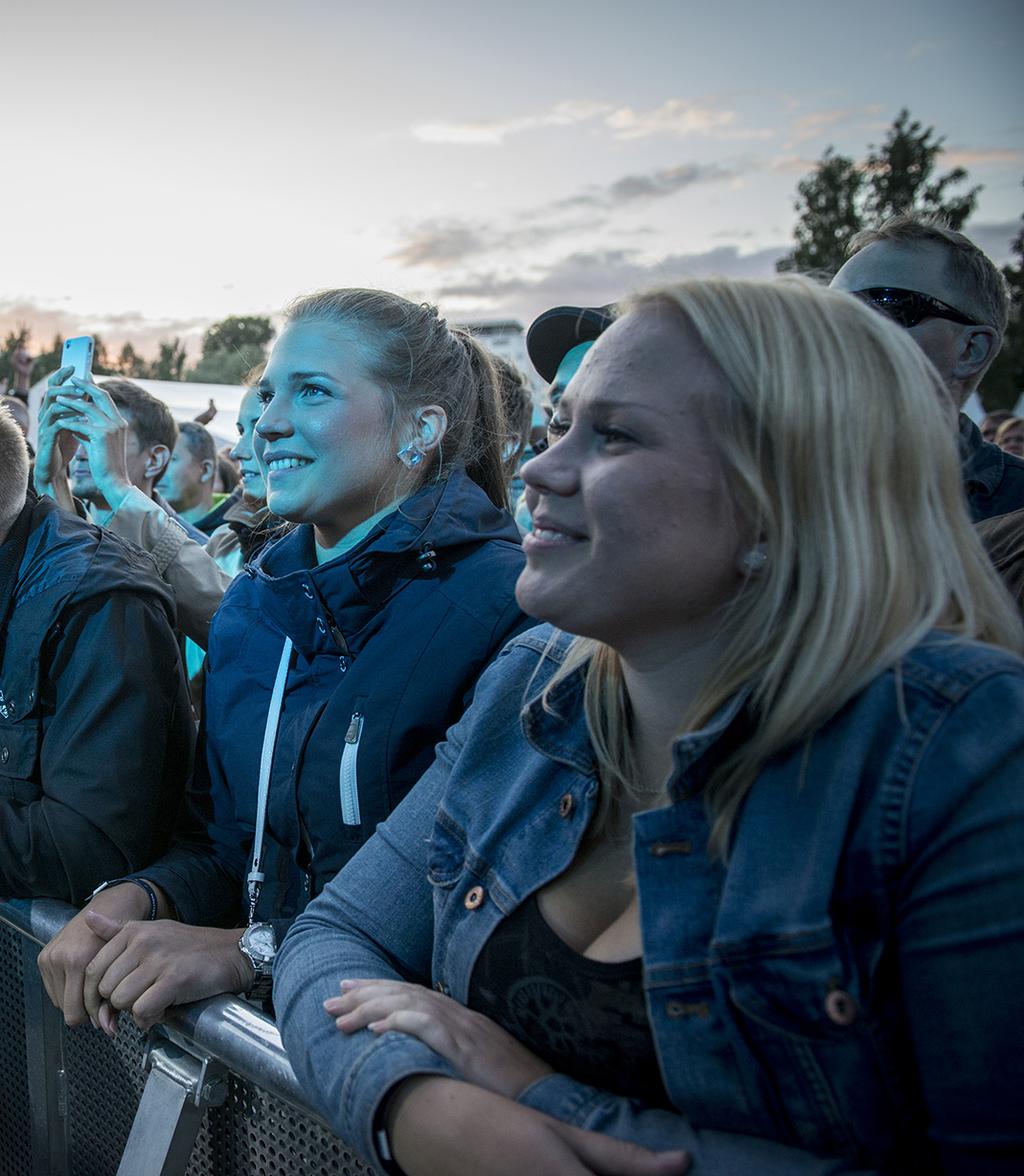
x=259 y=945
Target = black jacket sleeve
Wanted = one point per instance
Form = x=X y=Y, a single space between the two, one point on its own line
x=115 y=736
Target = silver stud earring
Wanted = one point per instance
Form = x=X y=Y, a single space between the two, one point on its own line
x=410 y=455
x=754 y=561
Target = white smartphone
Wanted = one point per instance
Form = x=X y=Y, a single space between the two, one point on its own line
x=78 y=354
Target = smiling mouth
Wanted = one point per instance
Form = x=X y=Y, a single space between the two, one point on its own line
x=279 y=464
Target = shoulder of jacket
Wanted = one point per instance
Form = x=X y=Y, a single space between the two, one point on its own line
x=950 y=667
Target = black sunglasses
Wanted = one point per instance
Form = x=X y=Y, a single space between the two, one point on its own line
x=909 y=307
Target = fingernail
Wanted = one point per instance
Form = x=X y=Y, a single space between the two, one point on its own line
x=332 y=1003
x=348 y=985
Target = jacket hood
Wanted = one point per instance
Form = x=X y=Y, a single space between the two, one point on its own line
x=425 y=535
x=67 y=554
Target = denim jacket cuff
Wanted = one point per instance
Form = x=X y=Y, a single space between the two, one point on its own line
x=373 y=1075
x=560 y=1097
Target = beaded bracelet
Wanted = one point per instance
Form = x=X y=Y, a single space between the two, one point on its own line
x=150 y=893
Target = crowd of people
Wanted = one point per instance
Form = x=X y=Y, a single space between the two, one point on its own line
x=666 y=815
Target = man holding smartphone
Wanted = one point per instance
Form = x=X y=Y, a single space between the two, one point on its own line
x=95 y=725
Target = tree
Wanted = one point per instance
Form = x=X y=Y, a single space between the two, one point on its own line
x=129 y=363
x=169 y=363
x=231 y=348
x=16 y=339
x=1003 y=384
x=841 y=196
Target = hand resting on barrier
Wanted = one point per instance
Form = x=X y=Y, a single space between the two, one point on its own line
x=109 y=958
x=482 y=1052
x=144 y=968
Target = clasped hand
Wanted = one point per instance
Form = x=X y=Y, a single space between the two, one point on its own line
x=139 y=967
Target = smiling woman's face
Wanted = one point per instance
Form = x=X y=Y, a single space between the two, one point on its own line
x=634 y=538
x=253 y=484
x=324 y=437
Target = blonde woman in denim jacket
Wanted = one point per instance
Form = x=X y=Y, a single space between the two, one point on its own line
x=742 y=890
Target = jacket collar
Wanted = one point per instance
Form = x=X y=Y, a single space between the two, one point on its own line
x=327 y=608
x=981 y=461
x=559 y=730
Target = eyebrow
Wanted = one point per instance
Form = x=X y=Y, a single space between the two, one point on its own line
x=608 y=404
x=293 y=377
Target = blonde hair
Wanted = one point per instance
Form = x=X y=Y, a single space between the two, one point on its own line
x=420 y=359
x=1006 y=428
x=838 y=443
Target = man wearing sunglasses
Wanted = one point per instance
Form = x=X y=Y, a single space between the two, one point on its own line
x=943 y=290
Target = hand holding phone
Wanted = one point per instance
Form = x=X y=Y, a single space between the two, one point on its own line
x=78 y=354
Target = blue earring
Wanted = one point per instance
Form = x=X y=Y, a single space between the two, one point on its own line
x=410 y=455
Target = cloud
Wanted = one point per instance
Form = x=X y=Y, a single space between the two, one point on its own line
x=115 y=328
x=675 y=117
x=980 y=156
x=592 y=278
x=651 y=185
x=440 y=243
x=494 y=131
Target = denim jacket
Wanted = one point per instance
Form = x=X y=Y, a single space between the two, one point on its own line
x=843 y=995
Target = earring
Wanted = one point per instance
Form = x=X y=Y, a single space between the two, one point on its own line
x=754 y=561
x=410 y=455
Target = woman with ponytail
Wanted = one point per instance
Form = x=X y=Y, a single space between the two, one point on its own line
x=336 y=661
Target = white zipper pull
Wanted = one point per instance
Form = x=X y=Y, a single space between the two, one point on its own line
x=348 y=780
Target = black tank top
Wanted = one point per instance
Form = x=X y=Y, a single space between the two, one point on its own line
x=585 y=1018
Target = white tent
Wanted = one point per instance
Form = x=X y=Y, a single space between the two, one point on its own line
x=185 y=401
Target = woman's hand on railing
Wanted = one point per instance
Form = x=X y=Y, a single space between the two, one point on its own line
x=481 y=1051
x=441 y=1127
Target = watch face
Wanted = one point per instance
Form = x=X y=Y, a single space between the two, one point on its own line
x=260 y=941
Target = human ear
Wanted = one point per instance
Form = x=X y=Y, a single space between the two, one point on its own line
x=978 y=347
x=431 y=426
x=209 y=469
x=158 y=458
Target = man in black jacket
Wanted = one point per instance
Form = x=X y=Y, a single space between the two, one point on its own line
x=95 y=728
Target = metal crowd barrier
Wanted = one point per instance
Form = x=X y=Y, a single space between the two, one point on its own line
x=208 y=1093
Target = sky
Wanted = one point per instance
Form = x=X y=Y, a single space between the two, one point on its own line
x=168 y=165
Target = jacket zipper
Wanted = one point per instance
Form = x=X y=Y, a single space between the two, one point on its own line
x=347 y=777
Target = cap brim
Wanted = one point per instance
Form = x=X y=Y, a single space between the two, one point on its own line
x=557 y=331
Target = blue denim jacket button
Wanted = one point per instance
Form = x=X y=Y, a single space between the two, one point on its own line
x=474 y=898
x=566 y=805
x=683 y=1008
x=840 y=1007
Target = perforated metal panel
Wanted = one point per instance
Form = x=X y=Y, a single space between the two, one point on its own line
x=15 y=1138
x=104 y=1084
x=254 y=1134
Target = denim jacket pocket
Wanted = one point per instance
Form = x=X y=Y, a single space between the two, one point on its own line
x=446 y=856
x=826 y=1066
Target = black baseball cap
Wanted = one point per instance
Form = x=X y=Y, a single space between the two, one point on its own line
x=553 y=334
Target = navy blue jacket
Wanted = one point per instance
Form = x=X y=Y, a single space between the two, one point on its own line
x=389 y=641
x=96 y=730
